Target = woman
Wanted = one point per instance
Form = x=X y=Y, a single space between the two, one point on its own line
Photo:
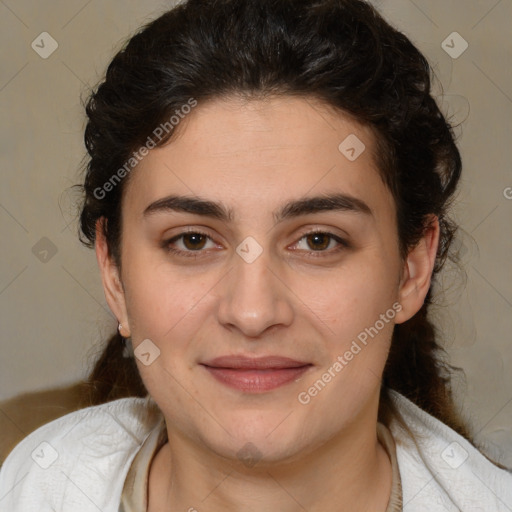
x=267 y=193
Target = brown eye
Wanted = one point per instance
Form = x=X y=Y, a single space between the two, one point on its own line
x=193 y=244
x=321 y=243
x=318 y=241
x=194 y=241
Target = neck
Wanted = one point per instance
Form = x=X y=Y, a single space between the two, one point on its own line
x=350 y=472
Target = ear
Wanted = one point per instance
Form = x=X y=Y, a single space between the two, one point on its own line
x=417 y=272
x=112 y=285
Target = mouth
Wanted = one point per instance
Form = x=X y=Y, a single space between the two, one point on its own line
x=255 y=375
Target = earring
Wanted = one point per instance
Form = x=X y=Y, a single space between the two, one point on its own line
x=120 y=329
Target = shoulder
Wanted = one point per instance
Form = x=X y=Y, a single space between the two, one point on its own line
x=79 y=461
x=440 y=470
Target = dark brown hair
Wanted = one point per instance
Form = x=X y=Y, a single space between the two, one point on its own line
x=340 y=52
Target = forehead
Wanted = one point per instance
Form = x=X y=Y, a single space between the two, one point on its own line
x=251 y=153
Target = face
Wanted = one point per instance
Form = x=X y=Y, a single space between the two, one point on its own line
x=265 y=317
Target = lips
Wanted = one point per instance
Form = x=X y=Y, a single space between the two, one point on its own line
x=254 y=363
x=255 y=375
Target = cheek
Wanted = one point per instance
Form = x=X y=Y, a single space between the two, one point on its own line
x=160 y=299
x=348 y=299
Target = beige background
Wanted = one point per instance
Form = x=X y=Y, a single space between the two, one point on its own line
x=53 y=313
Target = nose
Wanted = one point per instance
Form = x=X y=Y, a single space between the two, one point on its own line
x=254 y=297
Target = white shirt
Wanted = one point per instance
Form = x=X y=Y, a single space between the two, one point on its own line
x=79 y=463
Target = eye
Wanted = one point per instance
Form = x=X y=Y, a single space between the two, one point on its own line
x=320 y=242
x=188 y=243
x=193 y=244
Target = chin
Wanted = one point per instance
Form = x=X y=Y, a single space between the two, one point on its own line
x=256 y=438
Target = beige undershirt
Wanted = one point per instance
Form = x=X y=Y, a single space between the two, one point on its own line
x=134 y=496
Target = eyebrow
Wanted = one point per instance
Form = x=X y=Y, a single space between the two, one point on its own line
x=292 y=209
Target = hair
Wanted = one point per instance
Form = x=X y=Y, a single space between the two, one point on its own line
x=340 y=52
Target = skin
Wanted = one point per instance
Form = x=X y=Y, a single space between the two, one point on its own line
x=294 y=300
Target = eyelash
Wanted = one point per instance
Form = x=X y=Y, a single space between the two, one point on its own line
x=343 y=244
